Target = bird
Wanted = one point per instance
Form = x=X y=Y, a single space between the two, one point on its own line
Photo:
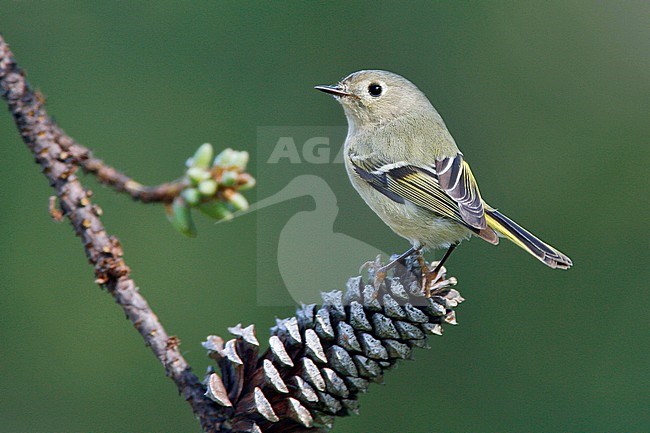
x=405 y=164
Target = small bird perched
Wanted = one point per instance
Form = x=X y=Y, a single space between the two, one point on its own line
x=405 y=164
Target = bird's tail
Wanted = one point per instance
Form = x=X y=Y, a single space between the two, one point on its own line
x=507 y=228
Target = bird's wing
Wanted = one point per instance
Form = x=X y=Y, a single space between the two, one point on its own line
x=456 y=179
x=454 y=194
x=403 y=181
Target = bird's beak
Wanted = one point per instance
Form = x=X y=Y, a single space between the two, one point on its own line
x=333 y=90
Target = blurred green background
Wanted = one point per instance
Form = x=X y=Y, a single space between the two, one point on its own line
x=549 y=101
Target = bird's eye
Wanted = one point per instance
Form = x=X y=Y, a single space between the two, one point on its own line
x=374 y=89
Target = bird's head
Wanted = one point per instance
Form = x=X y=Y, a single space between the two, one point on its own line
x=375 y=97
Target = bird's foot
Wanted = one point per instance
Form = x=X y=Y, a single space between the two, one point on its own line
x=380 y=276
x=374 y=267
x=434 y=280
x=423 y=264
x=390 y=265
x=383 y=271
x=428 y=276
x=428 y=280
x=387 y=267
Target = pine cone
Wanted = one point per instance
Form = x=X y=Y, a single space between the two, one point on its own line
x=321 y=359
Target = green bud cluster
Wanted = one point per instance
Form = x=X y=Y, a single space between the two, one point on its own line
x=213 y=187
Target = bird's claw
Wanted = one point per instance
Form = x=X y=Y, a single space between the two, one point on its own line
x=367 y=265
x=380 y=276
x=372 y=265
x=433 y=280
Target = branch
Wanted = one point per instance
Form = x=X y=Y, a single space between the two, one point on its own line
x=120 y=182
x=163 y=193
x=109 y=176
x=53 y=151
x=78 y=154
x=212 y=186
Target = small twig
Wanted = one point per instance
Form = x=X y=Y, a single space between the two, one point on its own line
x=164 y=193
x=55 y=152
x=120 y=182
